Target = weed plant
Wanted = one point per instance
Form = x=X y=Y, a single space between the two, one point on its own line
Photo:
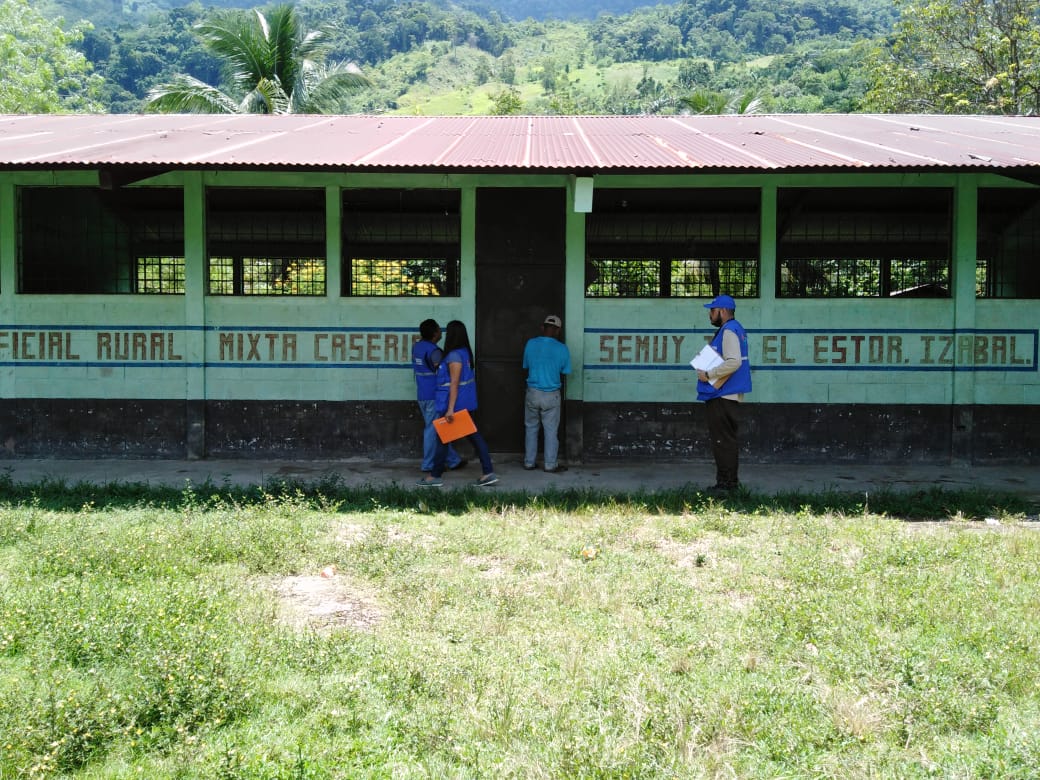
x=142 y=634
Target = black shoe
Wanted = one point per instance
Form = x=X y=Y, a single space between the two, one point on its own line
x=460 y=465
x=557 y=469
x=530 y=467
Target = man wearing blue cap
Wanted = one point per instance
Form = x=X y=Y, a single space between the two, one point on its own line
x=722 y=388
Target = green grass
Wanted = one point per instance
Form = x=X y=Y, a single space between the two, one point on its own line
x=507 y=635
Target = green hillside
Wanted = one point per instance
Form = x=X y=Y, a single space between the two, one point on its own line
x=429 y=58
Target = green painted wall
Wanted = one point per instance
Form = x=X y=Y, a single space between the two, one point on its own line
x=898 y=351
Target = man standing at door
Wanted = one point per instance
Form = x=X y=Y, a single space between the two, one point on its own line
x=426 y=356
x=546 y=360
x=722 y=388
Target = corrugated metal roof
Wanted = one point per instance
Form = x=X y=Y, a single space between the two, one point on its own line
x=527 y=143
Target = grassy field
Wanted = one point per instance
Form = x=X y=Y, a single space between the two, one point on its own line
x=321 y=632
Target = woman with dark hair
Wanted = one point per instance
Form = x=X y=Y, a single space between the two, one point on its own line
x=457 y=389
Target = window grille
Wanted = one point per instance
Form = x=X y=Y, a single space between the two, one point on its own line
x=266 y=276
x=266 y=242
x=75 y=240
x=160 y=274
x=1008 y=243
x=857 y=243
x=672 y=243
x=639 y=278
x=701 y=278
x=401 y=242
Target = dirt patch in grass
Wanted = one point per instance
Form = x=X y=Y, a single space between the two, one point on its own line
x=325 y=602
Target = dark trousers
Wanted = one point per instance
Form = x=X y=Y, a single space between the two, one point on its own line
x=723 y=426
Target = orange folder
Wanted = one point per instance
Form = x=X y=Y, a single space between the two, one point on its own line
x=461 y=425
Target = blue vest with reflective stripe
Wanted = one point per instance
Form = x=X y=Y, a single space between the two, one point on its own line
x=425 y=375
x=467 y=395
x=740 y=380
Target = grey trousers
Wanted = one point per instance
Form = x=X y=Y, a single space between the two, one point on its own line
x=541 y=409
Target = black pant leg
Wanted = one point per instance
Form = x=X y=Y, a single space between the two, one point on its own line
x=723 y=428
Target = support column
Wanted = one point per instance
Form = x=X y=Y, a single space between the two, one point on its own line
x=8 y=269
x=965 y=226
x=195 y=313
x=574 y=327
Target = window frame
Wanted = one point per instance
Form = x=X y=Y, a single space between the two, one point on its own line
x=97 y=245
x=413 y=237
x=638 y=240
x=839 y=239
x=249 y=225
x=993 y=266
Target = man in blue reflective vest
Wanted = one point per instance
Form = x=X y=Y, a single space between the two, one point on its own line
x=426 y=356
x=722 y=388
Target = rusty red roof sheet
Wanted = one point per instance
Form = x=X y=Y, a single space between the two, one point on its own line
x=586 y=144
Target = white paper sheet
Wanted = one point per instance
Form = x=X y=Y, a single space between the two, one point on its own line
x=706 y=359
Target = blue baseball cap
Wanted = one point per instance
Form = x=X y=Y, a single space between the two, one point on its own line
x=722 y=302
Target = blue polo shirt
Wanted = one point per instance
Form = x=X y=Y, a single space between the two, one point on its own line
x=545 y=359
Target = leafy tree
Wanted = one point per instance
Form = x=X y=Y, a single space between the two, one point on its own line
x=272 y=66
x=961 y=56
x=693 y=73
x=506 y=102
x=136 y=57
x=707 y=102
x=40 y=71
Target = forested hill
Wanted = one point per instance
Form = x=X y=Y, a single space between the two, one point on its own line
x=430 y=56
x=110 y=13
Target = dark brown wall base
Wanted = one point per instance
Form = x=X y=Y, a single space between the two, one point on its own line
x=811 y=433
x=313 y=429
x=795 y=433
x=772 y=433
x=87 y=428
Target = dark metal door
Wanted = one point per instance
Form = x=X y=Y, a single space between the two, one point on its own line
x=520 y=258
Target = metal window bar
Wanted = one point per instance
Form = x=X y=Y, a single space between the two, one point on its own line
x=812 y=277
x=266 y=242
x=851 y=243
x=672 y=253
x=221 y=276
x=706 y=278
x=631 y=278
x=267 y=275
x=161 y=275
x=389 y=249
x=675 y=278
x=88 y=240
x=394 y=276
x=917 y=278
x=1008 y=243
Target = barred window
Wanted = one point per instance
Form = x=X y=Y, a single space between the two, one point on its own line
x=160 y=274
x=1008 y=243
x=265 y=241
x=74 y=240
x=266 y=276
x=401 y=242
x=672 y=243
x=862 y=243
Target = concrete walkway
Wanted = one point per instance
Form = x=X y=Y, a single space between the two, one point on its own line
x=612 y=477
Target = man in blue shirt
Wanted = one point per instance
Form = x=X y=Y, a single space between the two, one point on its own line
x=546 y=360
x=426 y=356
x=722 y=388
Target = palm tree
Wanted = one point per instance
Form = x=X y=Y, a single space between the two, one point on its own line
x=270 y=63
x=707 y=102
